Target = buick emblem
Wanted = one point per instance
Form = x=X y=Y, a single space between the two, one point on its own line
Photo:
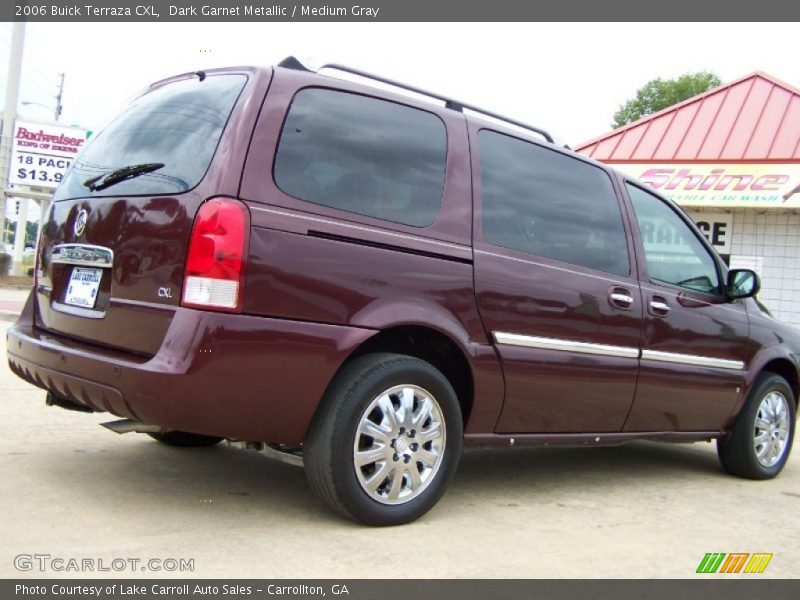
x=80 y=222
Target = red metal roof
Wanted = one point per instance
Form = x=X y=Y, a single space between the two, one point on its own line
x=754 y=118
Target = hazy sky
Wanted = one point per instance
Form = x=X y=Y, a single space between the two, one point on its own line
x=568 y=78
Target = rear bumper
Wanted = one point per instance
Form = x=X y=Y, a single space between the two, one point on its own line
x=239 y=376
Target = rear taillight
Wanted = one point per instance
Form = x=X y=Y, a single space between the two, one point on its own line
x=217 y=256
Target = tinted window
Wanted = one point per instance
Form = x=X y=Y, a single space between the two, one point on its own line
x=542 y=202
x=178 y=124
x=363 y=155
x=673 y=252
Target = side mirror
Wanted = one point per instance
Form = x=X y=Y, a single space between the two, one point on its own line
x=742 y=283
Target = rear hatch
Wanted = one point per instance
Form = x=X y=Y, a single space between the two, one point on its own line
x=111 y=256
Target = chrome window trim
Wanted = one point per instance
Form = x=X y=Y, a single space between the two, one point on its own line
x=82 y=255
x=513 y=339
x=533 y=261
x=692 y=359
x=543 y=343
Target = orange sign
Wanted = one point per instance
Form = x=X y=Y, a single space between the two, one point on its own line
x=734 y=185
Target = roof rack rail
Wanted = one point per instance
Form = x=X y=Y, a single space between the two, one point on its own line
x=290 y=62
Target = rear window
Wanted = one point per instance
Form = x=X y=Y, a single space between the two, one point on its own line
x=363 y=155
x=178 y=124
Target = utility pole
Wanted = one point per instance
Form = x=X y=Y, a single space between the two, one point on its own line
x=59 y=105
x=9 y=114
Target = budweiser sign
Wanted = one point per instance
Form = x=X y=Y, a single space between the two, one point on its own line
x=42 y=152
x=723 y=185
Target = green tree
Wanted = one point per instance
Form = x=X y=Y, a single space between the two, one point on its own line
x=30 y=232
x=31 y=229
x=659 y=94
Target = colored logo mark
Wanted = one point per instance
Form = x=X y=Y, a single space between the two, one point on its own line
x=734 y=562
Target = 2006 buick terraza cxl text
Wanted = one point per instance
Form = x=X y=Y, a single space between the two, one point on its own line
x=363 y=280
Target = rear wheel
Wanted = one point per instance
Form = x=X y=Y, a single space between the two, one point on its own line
x=386 y=440
x=761 y=438
x=184 y=439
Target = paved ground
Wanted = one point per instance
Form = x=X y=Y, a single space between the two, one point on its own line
x=72 y=489
x=11 y=303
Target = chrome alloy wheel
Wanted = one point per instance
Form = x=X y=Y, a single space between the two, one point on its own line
x=771 y=429
x=399 y=444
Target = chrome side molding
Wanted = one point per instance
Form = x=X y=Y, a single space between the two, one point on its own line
x=513 y=339
x=692 y=359
x=82 y=255
x=542 y=343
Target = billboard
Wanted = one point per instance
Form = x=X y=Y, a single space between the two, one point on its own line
x=41 y=153
x=722 y=185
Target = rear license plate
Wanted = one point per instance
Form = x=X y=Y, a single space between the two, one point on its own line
x=83 y=286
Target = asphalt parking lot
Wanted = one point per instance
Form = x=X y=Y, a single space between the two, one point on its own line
x=72 y=489
x=11 y=302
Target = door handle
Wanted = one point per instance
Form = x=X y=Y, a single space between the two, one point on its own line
x=620 y=297
x=659 y=306
x=623 y=298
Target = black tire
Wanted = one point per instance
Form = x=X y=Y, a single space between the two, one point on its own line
x=328 y=452
x=737 y=451
x=184 y=439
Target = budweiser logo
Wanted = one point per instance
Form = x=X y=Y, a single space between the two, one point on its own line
x=41 y=136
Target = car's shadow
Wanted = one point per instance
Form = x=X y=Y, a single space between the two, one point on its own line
x=646 y=463
x=153 y=475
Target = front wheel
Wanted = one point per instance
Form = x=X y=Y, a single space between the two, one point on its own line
x=386 y=441
x=761 y=438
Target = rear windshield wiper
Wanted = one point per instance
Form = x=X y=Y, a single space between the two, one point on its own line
x=101 y=182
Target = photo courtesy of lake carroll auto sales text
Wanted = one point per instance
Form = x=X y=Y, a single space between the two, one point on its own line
x=318 y=299
x=177 y=589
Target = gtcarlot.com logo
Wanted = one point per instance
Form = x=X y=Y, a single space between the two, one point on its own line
x=47 y=562
x=734 y=562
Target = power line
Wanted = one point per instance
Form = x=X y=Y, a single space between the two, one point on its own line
x=35 y=73
x=45 y=62
x=31 y=74
x=44 y=83
x=34 y=65
x=37 y=64
x=48 y=90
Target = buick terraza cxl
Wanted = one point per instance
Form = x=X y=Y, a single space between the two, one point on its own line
x=362 y=279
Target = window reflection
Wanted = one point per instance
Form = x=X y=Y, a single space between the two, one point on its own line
x=178 y=124
x=363 y=155
x=542 y=202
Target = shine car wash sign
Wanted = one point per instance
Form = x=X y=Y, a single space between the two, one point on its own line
x=729 y=185
x=41 y=153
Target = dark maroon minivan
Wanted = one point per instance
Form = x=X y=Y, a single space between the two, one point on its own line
x=363 y=279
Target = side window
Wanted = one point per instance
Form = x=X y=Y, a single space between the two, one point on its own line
x=542 y=202
x=363 y=155
x=673 y=252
